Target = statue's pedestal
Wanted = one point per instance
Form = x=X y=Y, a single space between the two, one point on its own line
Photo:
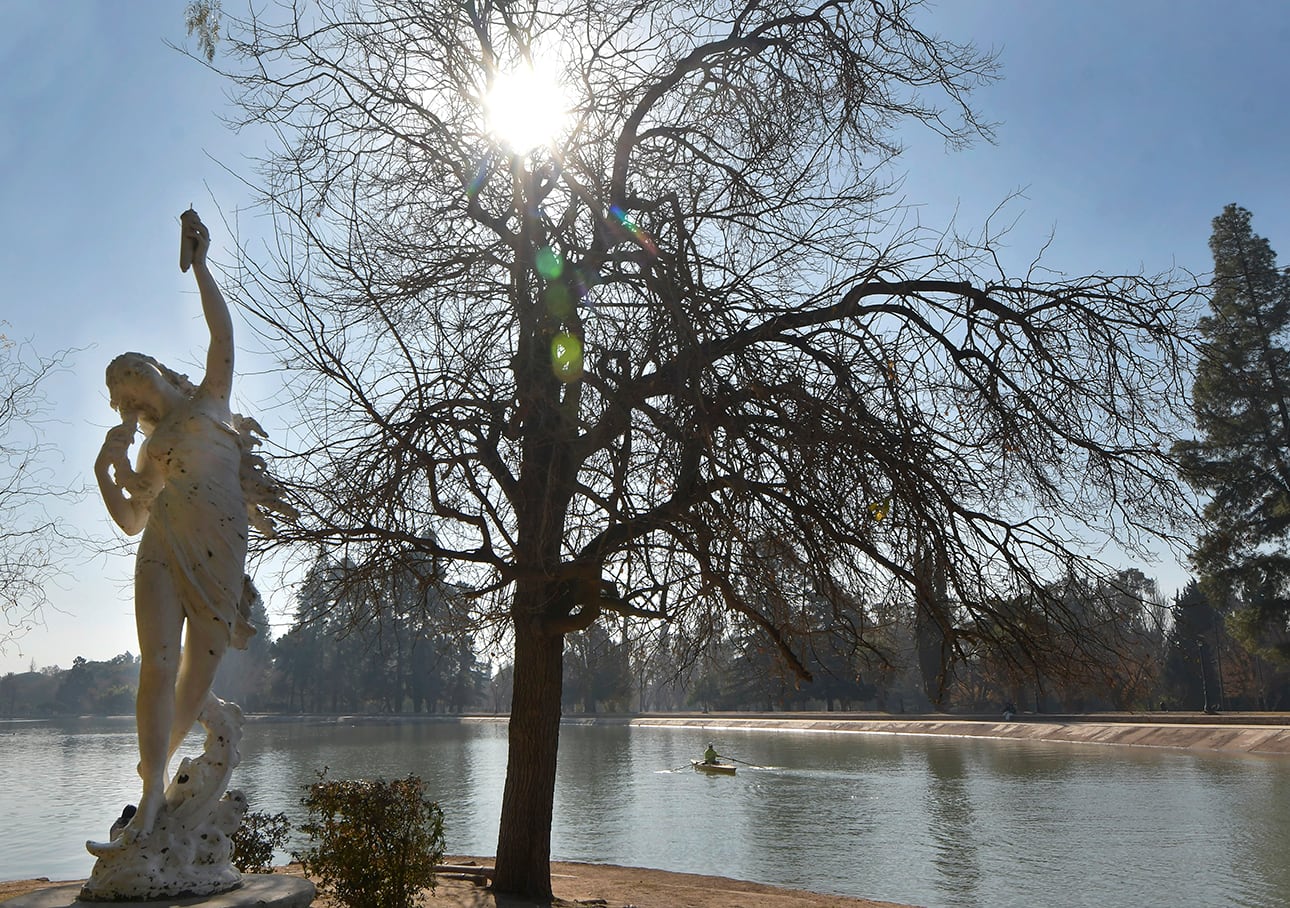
x=189 y=848
x=265 y=890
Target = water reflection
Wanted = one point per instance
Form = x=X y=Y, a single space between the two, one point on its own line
x=950 y=824
x=1263 y=868
x=595 y=772
x=922 y=821
x=463 y=767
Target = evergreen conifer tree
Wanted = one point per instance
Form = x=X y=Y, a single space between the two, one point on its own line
x=1241 y=459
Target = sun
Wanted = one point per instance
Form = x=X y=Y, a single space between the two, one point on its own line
x=526 y=108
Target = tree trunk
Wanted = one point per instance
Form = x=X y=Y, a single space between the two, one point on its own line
x=524 y=836
x=931 y=622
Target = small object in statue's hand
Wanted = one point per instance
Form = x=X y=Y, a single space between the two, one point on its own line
x=187 y=245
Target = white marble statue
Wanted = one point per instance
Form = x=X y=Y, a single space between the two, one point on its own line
x=194 y=490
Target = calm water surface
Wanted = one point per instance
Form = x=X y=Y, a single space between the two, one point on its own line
x=934 y=822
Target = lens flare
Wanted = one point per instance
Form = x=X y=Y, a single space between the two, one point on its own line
x=623 y=219
x=481 y=176
x=566 y=357
x=549 y=264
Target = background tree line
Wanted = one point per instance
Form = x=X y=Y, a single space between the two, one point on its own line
x=1188 y=654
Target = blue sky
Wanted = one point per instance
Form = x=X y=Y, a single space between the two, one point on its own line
x=1125 y=125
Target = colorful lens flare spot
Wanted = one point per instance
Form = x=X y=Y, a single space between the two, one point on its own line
x=566 y=357
x=640 y=236
x=549 y=264
x=477 y=182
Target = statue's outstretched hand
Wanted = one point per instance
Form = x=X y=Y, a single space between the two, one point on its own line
x=196 y=240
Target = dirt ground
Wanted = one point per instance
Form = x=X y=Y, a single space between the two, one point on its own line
x=599 y=885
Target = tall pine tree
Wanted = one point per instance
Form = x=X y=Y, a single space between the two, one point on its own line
x=1241 y=399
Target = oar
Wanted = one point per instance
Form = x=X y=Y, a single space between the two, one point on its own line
x=681 y=767
x=744 y=762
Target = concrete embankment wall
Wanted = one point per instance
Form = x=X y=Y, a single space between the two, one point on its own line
x=1190 y=735
x=1259 y=733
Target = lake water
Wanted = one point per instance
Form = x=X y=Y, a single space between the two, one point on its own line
x=925 y=821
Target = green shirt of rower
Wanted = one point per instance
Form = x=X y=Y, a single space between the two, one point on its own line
x=710 y=755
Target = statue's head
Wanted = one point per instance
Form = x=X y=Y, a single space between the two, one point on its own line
x=140 y=385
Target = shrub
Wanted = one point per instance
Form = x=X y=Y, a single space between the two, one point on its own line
x=257 y=839
x=375 y=843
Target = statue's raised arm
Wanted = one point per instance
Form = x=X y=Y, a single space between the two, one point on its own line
x=218 y=380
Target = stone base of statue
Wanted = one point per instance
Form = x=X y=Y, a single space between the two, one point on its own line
x=189 y=849
x=261 y=890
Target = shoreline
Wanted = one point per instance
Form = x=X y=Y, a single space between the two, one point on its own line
x=1259 y=734
x=1263 y=734
x=575 y=885
x=1264 y=739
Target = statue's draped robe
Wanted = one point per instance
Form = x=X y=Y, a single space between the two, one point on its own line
x=197 y=526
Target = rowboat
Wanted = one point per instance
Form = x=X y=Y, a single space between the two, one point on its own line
x=727 y=769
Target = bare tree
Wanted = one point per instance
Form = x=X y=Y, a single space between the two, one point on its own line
x=614 y=373
x=33 y=540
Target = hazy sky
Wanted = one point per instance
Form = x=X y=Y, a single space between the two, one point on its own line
x=1125 y=125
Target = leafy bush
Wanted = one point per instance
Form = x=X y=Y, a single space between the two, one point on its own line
x=375 y=843
x=256 y=840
